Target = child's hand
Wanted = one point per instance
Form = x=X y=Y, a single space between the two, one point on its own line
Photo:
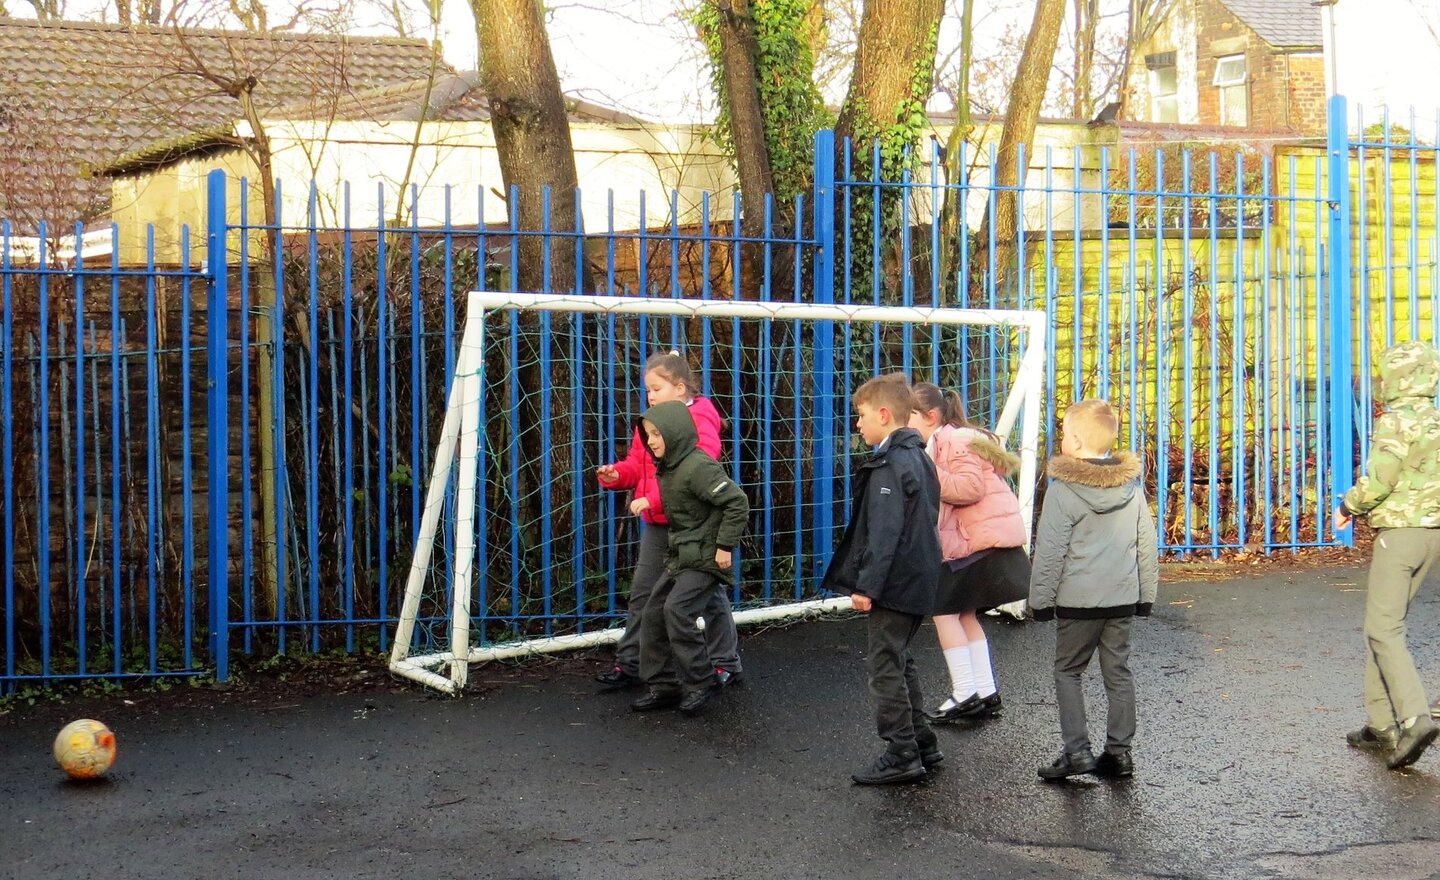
x=1342 y=519
x=722 y=559
x=860 y=602
x=606 y=473
x=639 y=506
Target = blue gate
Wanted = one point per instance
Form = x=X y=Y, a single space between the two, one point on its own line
x=1200 y=293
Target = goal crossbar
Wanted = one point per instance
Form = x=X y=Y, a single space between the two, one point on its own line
x=459 y=442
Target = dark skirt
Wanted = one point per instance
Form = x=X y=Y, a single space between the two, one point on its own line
x=998 y=577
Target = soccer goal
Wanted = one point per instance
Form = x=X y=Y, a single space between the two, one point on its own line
x=519 y=550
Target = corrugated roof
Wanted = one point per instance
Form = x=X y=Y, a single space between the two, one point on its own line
x=453 y=97
x=81 y=95
x=1284 y=24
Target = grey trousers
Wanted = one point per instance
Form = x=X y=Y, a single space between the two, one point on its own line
x=894 y=682
x=673 y=652
x=1393 y=692
x=1075 y=643
x=649 y=566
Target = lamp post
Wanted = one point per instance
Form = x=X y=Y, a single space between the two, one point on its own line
x=1332 y=53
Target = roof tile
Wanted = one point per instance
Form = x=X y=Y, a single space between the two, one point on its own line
x=75 y=96
x=1284 y=24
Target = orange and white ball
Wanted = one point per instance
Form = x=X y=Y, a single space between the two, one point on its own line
x=85 y=749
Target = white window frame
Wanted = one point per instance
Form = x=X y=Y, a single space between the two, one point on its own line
x=1161 y=101
x=1231 y=80
x=1234 y=94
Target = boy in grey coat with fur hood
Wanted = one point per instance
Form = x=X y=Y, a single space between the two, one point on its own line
x=1095 y=567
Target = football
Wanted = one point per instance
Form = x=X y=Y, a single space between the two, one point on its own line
x=85 y=749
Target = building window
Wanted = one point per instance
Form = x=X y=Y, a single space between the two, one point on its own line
x=1230 y=79
x=1164 y=93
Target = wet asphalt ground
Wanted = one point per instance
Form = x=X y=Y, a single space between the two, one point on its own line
x=1247 y=685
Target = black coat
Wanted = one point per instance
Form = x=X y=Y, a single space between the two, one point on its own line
x=891 y=548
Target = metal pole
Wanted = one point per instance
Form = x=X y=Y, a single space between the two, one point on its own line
x=217 y=427
x=1341 y=349
x=824 y=364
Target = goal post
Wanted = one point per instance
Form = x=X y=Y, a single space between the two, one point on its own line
x=498 y=507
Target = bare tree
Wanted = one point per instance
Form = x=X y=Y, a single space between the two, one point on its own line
x=532 y=131
x=741 y=96
x=151 y=12
x=1087 y=17
x=1142 y=19
x=1026 y=98
x=951 y=233
x=1430 y=17
x=48 y=10
x=206 y=66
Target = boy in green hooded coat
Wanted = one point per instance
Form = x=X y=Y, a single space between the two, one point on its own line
x=707 y=514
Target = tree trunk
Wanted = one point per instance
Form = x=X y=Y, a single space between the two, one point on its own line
x=1087 y=15
x=891 y=82
x=532 y=138
x=952 y=234
x=1026 y=96
x=896 y=45
x=1141 y=20
x=265 y=344
x=738 y=58
x=532 y=134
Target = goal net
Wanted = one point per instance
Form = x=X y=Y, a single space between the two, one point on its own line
x=520 y=550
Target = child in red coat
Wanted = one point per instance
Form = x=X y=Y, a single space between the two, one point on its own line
x=667 y=377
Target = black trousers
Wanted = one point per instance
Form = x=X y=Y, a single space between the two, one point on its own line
x=673 y=652
x=719 y=624
x=894 y=682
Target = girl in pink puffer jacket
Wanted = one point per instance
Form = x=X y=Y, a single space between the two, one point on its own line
x=982 y=540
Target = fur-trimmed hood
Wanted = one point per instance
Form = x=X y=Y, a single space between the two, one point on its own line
x=1103 y=484
x=983 y=445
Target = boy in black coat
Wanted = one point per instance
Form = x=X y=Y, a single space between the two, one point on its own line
x=889 y=563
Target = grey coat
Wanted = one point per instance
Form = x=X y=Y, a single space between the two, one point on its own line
x=1095 y=547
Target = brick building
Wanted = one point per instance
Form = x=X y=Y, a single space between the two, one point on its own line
x=1256 y=64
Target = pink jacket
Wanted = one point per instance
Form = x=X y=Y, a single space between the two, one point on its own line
x=978 y=510
x=637 y=469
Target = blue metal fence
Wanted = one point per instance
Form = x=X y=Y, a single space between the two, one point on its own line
x=1200 y=292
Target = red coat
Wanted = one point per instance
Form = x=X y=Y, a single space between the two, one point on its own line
x=637 y=469
x=978 y=509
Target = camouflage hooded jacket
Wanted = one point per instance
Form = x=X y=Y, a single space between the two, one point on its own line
x=1401 y=484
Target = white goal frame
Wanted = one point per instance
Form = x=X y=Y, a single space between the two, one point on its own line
x=447 y=671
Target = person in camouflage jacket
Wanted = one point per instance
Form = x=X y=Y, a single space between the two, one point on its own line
x=1399 y=494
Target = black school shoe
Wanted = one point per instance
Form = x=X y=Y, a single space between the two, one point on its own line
x=985 y=707
x=656 y=699
x=616 y=678
x=1416 y=735
x=727 y=677
x=892 y=767
x=693 y=703
x=1068 y=765
x=930 y=754
x=1117 y=765
x=1370 y=739
x=972 y=708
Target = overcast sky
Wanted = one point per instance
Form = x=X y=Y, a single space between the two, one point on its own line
x=641 y=56
x=638 y=54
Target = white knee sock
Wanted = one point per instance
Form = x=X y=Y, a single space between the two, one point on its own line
x=962 y=684
x=980 y=667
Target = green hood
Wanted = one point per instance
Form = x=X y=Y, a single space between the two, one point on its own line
x=672 y=419
x=1410 y=369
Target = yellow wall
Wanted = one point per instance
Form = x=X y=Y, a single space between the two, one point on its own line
x=614 y=164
